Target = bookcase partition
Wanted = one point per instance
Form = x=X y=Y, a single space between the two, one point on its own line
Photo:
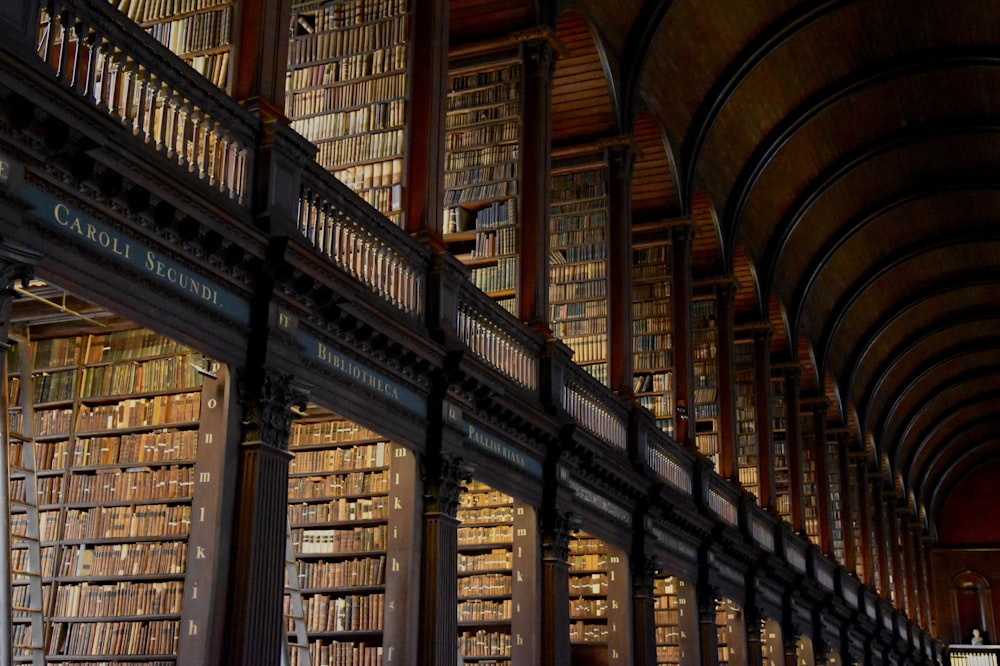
x=747 y=442
x=578 y=260
x=481 y=218
x=349 y=491
x=810 y=486
x=672 y=617
x=653 y=332
x=598 y=601
x=347 y=91
x=114 y=420
x=779 y=416
x=705 y=351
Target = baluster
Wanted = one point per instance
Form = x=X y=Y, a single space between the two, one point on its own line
x=204 y=161
x=63 y=43
x=90 y=75
x=128 y=92
x=142 y=99
x=105 y=88
x=193 y=150
x=239 y=191
x=75 y=73
x=46 y=39
x=152 y=98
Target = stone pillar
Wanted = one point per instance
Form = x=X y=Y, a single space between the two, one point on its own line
x=443 y=477
x=256 y=634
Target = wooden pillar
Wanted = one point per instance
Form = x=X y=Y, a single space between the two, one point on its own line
x=443 y=476
x=794 y=433
x=427 y=69
x=880 y=534
x=725 y=295
x=533 y=290
x=259 y=59
x=896 y=553
x=643 y=608
x=909 y=568
x=789 y=636
x=848 y=510
x=256 y=635
x=765 y=434
x=681 y=238
x=753 y=620
x=621 y=159
x=556 y=529
x=822 y=479
x=865 y=502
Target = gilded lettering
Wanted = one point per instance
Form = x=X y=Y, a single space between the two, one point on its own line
x=91 y=232
x=59 y=212
x=150 y=260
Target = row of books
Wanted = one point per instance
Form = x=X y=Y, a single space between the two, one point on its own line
x=500 y=558
x=658 y=382
x=652 y=342
x=588 y=348
x=144 y=11
x=319 y=87
x=141 y=558
x=587 y=561
x=336 y=485
x=581 y=631
x=340 y=653
x=213 y=66
x=365 y=508
x=130 y=345
x=140 y=412
x=374 y=175
x=481 y=91
x=474 y=136
x=576 y=216
x=567 y=272
x=358 y=457
x=653 y=323
x=385 y=63
x=478 y=494
x=499 y=277
x=145 y=447
x=578 y=310
x=159 y=374
x=483 y=643
x=496 y=243
x=485 y=535
x=478 y=175
x=349 y=540
x=654 y=274
x=118 y=522
x=135 y=485
x=480 y=156
x=371 y=118
x=580 y=245
x=197 y=32
x=356 y=41
x=308 y=433
x=352 y=612
x=481 y=115
x=654 y=295
x=153 y=637
x=484 y=610
x=576 y=291
x=119 y=598
x=486 y=585
x=489 y=514
x=655 y=361
x=375 y=146
x=660 y=405
x=588 y=608
x=347 y=13
x=50 y=353
x=362 y=571
x=53 y=386
x=495 y=215
x=568 y=328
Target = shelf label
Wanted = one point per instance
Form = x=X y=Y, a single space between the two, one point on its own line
x=112 y=243
x=360 y=373
x=498 y=447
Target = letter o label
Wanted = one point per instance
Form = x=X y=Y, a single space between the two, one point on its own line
x=212 y=403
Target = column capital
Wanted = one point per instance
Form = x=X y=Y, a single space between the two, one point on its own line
x=557 y=528
x=444 y=475
x=267 y=413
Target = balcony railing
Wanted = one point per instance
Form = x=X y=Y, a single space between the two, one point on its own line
x=594 y=407
x=973 y=655
x=109 y=61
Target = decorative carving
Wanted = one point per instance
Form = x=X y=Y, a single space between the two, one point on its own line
x=645 y=568
x=557 y=528
x=267 y=415
x=443 y=478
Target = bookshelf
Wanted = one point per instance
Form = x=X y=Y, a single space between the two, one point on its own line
x=199 y=31
x=341 y=520
x=668 y=609
x=598 y=601
x=347 y=92
x=747 y=442
x=480 y=221
x=493 y=569
x=705 y=349
x=810 y=483
x=723 y=617
x=652 y=345
x=779 y=420
x=853 y=495
x=835 y=488
x=578 y=262
x=114 y=422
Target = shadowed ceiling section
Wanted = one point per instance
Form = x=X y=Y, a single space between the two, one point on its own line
x=582 y=104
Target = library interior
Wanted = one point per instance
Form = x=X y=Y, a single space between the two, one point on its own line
x=499 y=332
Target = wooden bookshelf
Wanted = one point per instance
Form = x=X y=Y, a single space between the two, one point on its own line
x=705 y=352
x=578 y=262
x=669 y=608
x=480 y=221
x=598 y=601
x=779 y=429
x=747 y=443
x=836 y=489
x=199 y=31
x=347 y=91
x=810 y=485
x=114 y=419
x=339 y=512
x=723 y=616
x=653 y=348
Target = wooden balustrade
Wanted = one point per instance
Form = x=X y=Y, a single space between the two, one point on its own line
x=594 y=407
x=109 y=61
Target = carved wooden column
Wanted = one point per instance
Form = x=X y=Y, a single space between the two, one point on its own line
x=705 y=600
x=539 y=68
x=880 y=534
x=556 y=530
x=16 y=265
x=621 y=159
x=427 y=68
x=725 y=295
x=753 y=620
x=764 y=424
x=256 y=626
x=644 y=570
x=794 y=433
x=681 y=238
x=443 y=477
x=867 y=522
x=789 y=637
x=260 y=51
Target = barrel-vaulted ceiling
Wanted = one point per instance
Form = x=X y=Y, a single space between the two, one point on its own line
x=851 y=151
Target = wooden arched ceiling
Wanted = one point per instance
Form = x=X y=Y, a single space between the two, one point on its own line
x=583 y=107
x=654 y=190
x=852 y=149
